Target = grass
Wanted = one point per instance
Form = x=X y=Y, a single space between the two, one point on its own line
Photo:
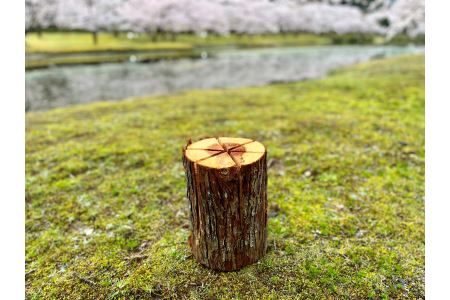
x=107 y=218
x=75 y=42
x=79 y=42
x=250 y=41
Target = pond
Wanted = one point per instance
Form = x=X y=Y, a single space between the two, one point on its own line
x=69 y=85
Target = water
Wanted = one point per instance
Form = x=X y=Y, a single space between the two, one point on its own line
x=64 y=86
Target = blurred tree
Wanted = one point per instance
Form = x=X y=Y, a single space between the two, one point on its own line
x=39 y=15
x=162 y=18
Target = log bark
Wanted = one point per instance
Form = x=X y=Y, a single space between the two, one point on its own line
x=227 y=191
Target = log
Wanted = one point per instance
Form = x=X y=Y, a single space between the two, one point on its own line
x=227 y=192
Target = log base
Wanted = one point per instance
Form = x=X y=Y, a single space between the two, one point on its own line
x=227 y=192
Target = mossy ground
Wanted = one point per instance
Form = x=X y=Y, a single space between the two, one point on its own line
x=107 y=217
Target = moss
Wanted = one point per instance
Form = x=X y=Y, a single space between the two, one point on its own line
x=106 y=214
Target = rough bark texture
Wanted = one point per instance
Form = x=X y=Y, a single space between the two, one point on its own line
x=228 y=213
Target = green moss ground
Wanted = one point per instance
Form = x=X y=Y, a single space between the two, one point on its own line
x=107 y=218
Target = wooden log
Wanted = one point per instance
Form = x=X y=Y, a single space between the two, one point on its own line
x=227 y=192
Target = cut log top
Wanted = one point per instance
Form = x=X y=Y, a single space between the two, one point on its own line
x=224 y=152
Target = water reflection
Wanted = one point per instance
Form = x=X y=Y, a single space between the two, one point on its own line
x=62 y=86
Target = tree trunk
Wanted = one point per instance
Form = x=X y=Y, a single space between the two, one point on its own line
x=153 y=35
x=95 y=37
x=227 y=192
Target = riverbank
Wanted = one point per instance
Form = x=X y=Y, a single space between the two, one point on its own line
x=78 y=48
x=99 y=58
x=106 y=214
x=79 y=42
x=67 y=85
x=71 y=48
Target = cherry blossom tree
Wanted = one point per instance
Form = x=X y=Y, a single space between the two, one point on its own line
x=402 y=16
x=207 y=16
x=157 y=17
x=109 y=15
x=77 y=15
x=89 y=15
x=40 y=14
